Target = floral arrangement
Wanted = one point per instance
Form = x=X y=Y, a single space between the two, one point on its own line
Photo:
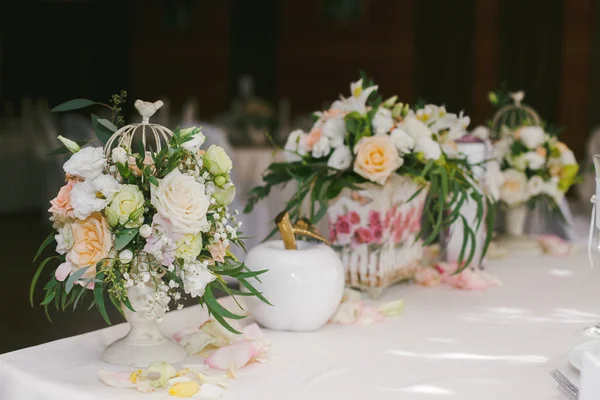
x=158 y=219
x=534 y=165
x=363 y=139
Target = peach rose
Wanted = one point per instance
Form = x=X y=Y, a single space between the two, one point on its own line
x=312 y=138
x=61 y=204
x=92 y=242
x=376 y=158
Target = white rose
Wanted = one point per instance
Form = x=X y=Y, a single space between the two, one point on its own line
x=195 y=278
x=197 y=140
x=93 y=195
x=128 y=200
x=119 y=155
x=225 y=195
x=181 y=200
x=382 y=121
x=88 y=163
x=340 y=159
x=534 y=160
x=296 y=147
x=535 y=185
x=514 y=187
x=403 y=141
x=568 y=158
x=532 y=136
x=335 y=129
x=217 y=161
x=429 y=147
x=64 y=239
x=415 y=128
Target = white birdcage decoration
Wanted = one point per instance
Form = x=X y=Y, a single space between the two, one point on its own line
x=124 y=136
x=513 y=115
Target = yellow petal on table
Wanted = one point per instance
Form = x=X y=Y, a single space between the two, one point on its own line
x=391 y=308
x=184 y=389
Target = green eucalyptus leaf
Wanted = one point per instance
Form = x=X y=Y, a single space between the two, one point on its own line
x=124 y=237
x=74 y=104
x=74 y=277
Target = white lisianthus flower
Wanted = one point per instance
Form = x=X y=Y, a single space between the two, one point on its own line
x=64 y=239
x=429 y=147
x=119 y=155
x=340 y=159
x=197 y=140
x=217 y=161
x=567 y=157
x=514 y=188
x=415 y=128
x=225 y=195
x=335 y=129
x=535 y=185
x=322 y=147
x=534 y=160
x=189 y=247
x=481 y=132
x=403 y=141
x=532 y=136
x=93 y=195
x=182 y=201
x=195 y=278
x=382 y=121
x=88 y=163
x=296 y=147
x=129 y=199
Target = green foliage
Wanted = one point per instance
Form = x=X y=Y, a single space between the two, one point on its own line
x=74 y=104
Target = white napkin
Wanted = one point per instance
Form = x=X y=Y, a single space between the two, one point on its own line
x=590 y=376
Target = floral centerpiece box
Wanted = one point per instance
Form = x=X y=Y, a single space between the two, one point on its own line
x=378 y=169
x=143 y=229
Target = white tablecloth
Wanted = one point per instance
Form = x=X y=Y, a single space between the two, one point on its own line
x=496 y=344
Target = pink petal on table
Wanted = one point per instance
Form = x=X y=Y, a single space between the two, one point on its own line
x=63 y=271
x=554 y=245
x=471 y=280
x=196 y=342
x=116 y=379
x=231 y=357
x=369 y=315
x=427 y=276
x=347 y=313
x=252 y=332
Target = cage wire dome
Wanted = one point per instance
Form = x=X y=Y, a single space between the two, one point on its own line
x=124 y=137
x=512 y=116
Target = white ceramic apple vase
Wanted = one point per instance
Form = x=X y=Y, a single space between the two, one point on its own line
x=304 y=285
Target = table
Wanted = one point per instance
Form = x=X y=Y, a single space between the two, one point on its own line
x=496 y=344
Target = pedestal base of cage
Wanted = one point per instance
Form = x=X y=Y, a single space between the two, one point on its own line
x=136 y=352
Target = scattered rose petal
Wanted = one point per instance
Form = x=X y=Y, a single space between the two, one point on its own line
x=164 y=371
x=369 y=315
x=347 y=313
x=391 y=308
x=116 y=379
x=231 y=357
x=144 y=385
x=178 y=379
x=196 y=342
x=184 y=389
x=427 y=276
x=351 y=295
x=554 y=245
x=213 y=377
x=209 y=392
x=221 y=336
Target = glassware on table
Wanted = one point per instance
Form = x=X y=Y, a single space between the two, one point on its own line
x=594 y=331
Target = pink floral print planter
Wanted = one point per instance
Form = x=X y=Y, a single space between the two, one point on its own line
x=374 y=231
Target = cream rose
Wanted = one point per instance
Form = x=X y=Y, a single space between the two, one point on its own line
x=127 y=200
x=183 y=201
x=514 y=188
x=189 y=247
x=217 y=161
x=376 y=158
